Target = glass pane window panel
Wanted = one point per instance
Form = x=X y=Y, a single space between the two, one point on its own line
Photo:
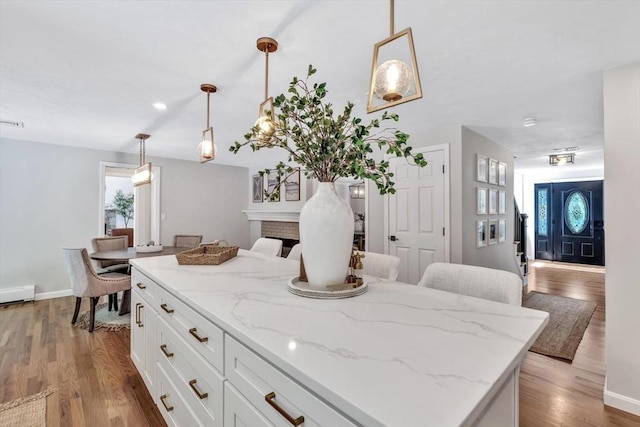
x=576 y=212
x=543 y=211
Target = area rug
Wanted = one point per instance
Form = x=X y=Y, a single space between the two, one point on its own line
x=105 y=319
x=27 y=411
x=568 y=319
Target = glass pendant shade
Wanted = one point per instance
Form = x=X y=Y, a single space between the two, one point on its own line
x=207 y=147
x=393 y=80
x=142 y=175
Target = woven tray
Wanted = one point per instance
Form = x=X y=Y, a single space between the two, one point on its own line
x=207 y=255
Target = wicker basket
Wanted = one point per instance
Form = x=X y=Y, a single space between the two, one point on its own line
x=207 y=255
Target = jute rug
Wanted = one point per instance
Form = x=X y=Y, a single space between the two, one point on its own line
x=105 y=319
x=568 y=319
x=27 y=411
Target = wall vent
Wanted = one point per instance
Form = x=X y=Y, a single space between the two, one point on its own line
x=15 y=124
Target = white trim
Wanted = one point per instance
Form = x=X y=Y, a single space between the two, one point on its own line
x=619 y=401
x=54 y=294
x=282 y=216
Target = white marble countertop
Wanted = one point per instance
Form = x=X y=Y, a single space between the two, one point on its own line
x=397 y=355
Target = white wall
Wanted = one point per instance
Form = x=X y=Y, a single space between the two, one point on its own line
x=49 y=199
x=622 y=243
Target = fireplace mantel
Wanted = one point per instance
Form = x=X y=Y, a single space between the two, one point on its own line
x=264 y=215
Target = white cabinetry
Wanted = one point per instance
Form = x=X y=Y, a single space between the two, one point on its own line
x=143 y=329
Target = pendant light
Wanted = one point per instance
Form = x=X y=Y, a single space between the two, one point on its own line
x=265 y=125
x=207 y=147
x=142 y=174
x=394 y=82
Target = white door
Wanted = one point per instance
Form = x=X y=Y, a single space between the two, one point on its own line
x=418 y=213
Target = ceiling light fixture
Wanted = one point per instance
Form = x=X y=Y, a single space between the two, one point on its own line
x=567 y=149
x=207 y=147
x=265 y=125
x=356 y=191
x=561 y=159
x=160 y=106
x=529 y=121
x=142 y=174
x=392 y=80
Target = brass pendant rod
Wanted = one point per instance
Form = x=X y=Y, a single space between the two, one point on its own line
x=141 y=151
x=391 y=19
x=266 y=72
x=208 y=104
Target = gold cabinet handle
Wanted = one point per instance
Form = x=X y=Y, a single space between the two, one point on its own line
x=167 y=407
x=193 y=331
x=270 y=400
x=164 y=307
x=163 y=347
x=140 y=285
x=138 y=321
x=192 y=384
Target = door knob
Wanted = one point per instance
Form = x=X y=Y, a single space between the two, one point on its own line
x=394 y=239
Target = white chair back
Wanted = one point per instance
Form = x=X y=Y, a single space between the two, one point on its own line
x=266 y=246
x=381 y=265
x=295 y=252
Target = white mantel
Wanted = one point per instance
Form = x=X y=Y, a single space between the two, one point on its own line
x=270 y=215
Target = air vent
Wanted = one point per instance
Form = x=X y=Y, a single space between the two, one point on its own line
x=12 y=123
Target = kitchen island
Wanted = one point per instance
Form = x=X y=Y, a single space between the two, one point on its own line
x=398 y=355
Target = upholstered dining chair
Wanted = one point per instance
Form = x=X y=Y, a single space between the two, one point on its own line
x=85 y=282
x=295 y=252
x=381 y=265
x=480 y=282
x=101 y=244
x=115 y=232
x=186 y=241
x=266 y=246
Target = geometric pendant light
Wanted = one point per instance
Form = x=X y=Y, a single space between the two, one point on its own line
x=265 y=126
x=142 y=174
x=393 y=81
x=207 y=147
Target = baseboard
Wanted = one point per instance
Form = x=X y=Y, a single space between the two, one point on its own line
x=54 y=294
x=618 y=401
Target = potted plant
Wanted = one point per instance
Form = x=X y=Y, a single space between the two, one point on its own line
x=326 y=146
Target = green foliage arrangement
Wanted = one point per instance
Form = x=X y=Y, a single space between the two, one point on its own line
x=122 y=205
x=326 y=146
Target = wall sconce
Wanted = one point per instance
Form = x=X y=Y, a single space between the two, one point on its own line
x=142 y=174
x=265 y=125
x=207 y=147
x=561 y=159
x=356 y=191
x=392 y=80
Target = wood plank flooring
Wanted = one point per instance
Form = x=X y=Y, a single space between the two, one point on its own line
x=99 y=386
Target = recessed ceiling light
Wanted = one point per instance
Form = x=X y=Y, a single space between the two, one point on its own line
x=160 y=106
x=529 y=121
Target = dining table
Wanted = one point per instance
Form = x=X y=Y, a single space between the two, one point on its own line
x=125 y=255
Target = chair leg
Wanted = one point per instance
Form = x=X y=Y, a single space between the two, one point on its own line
x=110 y=301
x=115 y=301
x=92 y=311
x=126 y=302
x=76 y=311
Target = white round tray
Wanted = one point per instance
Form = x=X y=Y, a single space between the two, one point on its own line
x=296 y=287
x=146 y=249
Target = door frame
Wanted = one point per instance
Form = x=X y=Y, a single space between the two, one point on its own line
x=447 y=202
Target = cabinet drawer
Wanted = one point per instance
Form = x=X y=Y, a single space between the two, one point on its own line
x=144 y=286
x=267 y=389
x=202 y=335
x=171 y=405
x=196 y=380
x=238 y=412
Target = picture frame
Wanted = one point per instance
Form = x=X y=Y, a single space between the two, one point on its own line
x=292 y=186
x=493 y=231
x=481 y=233
x=481 y=201
x=502 y=202
x=502 y=174
x=493 y=171
x=502 y=230
x=493 y=201
x=272 y=182
x=481 y=168
x=258 y=188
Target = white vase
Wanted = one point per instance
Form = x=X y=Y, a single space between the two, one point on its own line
x=326 y=234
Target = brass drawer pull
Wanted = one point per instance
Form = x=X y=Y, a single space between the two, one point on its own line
x=167 y=407
x=140 y=285
x=270 y=400
x=138 y=321
x=192 y=384
x=163 y=347
x=193 y=332
x=164 y=307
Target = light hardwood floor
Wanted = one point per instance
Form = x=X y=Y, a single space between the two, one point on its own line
x=99 y=386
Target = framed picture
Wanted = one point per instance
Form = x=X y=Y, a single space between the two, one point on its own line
x=272 y=182
x=481 y=168
x=493 y=201
x=481 y=203
x=493 y=171
x=292 y=186
x=502 y=230
x=502 y=174
x=493 y=231
x=481 y=233
x=258 y=189
x=502 y=202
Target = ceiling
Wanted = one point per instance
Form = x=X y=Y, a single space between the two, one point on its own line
x=86 y=73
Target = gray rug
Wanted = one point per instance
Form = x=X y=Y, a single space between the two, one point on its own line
x=105 y=319
x=568 y=319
